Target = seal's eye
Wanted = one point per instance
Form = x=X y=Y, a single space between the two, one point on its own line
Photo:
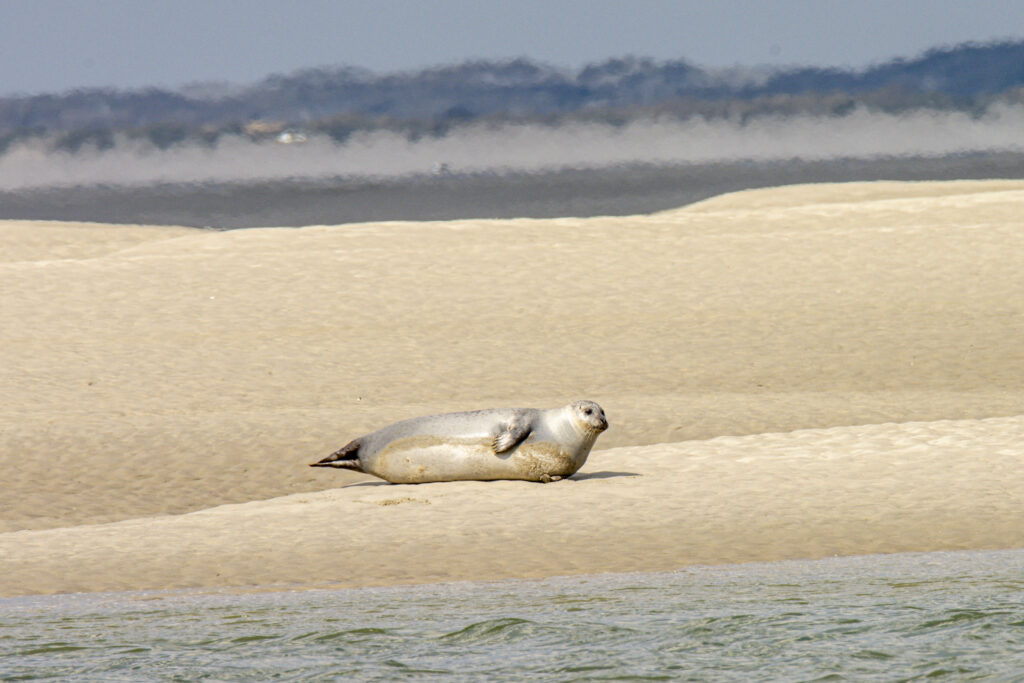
x=588 y=411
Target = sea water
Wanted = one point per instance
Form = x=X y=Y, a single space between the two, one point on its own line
x=957 y=616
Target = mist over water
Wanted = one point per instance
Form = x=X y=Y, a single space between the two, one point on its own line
x=476 y=148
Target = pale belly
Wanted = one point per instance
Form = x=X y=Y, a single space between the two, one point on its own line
x=421 y=459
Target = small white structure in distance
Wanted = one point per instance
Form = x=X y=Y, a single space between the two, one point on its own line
x=291 y=137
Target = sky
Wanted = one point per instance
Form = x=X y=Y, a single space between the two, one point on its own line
x=58 y=45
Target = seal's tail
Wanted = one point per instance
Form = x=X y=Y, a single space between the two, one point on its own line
x=346 y=457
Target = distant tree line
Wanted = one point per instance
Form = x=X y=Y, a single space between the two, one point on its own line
x=342 y=101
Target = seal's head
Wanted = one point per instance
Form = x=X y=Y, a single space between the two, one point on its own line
x=589 y=416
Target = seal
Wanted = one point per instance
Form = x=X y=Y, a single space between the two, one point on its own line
x=508 y=443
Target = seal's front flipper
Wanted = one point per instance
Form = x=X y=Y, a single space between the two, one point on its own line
x=514 y=433
x=346 y=457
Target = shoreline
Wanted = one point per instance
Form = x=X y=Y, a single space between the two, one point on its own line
x=227 y=593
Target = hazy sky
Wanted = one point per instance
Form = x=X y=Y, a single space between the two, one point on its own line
x=55 y=45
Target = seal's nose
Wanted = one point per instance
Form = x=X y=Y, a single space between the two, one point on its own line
x=602 y=422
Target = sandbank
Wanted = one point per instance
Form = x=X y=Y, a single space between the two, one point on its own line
x=790 y=372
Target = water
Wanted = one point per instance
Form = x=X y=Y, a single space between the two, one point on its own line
x=957 y=616
x=611 y=191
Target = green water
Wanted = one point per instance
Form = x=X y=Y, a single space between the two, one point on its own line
x=946 y=616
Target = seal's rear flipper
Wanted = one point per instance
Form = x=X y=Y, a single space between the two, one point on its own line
x=346 y=457
x=341 y=464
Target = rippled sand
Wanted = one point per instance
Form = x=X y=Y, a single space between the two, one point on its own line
x=152 y=372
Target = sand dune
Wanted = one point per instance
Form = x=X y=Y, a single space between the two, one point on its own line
x=150 y=372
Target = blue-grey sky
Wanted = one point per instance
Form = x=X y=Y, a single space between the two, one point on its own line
x=55 y=45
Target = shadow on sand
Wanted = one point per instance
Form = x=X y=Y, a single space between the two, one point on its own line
x=575 y=477
x=603 y=475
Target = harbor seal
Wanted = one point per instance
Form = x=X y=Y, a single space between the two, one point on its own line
x=510 y=443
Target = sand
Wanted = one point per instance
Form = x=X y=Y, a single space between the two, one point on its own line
x=791 y=372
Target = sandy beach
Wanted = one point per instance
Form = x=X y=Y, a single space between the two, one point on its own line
x=794 y=372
